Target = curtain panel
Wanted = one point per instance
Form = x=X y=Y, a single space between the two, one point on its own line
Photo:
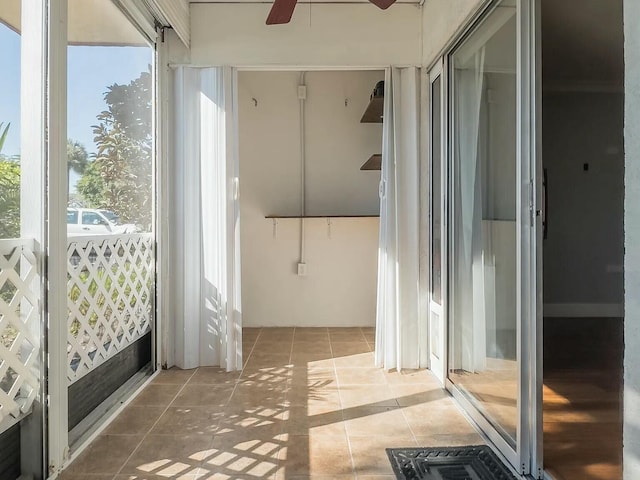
x=398 y=325
x=205 y=232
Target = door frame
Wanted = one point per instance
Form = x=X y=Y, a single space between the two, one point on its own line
x=526 y=457
x=438 y=365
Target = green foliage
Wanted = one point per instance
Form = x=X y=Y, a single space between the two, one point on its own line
x=9 y=199
x=120 y=176
x=77 y=157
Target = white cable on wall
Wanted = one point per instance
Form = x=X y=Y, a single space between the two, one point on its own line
x=302 y=97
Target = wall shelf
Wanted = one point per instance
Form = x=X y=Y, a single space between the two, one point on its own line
x=373 y=113
x=374 y=162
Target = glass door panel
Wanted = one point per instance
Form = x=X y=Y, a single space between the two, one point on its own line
x=483 y=332
x=110 y=210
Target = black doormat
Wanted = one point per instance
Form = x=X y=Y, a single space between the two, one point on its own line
x=448 y=463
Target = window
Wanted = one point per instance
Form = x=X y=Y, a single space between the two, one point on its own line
x=72 y=217
x=92 y=218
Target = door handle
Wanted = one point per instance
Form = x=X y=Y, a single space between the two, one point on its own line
x=85 y=228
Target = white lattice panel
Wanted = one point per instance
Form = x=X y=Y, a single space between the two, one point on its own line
x=110 y=297
x=19 y=327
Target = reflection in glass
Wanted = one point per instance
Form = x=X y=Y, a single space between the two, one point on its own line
x=483 y=348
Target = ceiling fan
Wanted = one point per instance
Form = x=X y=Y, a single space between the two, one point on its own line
x=282 y=10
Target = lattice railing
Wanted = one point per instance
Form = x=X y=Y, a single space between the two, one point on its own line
x=19 y=328
x=110 y=297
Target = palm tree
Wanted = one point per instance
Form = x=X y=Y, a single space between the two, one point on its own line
x=3 y=134
x=77 y=157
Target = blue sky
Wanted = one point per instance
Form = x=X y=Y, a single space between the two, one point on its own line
x=91 y=70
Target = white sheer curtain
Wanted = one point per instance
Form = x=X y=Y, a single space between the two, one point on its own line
x=206 y=231
x=470 y=272
x=398 y=322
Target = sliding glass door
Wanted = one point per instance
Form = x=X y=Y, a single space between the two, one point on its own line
x=491 y=212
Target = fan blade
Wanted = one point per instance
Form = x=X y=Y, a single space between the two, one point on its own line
x=383 y=4
x=281 y=12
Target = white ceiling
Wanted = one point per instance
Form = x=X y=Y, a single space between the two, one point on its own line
x=112 y=28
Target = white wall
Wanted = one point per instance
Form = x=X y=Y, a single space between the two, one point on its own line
x=319 y=34
x=441 y=19
x=340 y=288
x=583 y=253
x=632 y=242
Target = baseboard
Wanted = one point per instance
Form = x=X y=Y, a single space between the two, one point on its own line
x=564 y=310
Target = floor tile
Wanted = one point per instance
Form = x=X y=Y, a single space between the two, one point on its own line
x=267 y=360
x=367 y=395
x=189 y=421
x=106 y=454
x=157 y=395
x=135 y=420
x=316 y=455
x=426 y=420
x=365 y=421
x=272 y=348
x=173 y=376
x=310 y=359
x=265 y=396
x=311 y=334
x=360 y=376
x=347 y=349
x=235 y=455
x=370 y=456
x=84 y=476
x=359 y=360
x=309 y=404
x=346 y=337
x=308 y=396
x=312 y=347
x=151 y=476
x=301 y=422
x=169 y=455
x=213 y=376
x=266 y=375
x=203 y=395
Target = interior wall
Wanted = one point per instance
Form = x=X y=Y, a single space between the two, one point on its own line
x=340 y=286
x=631 y=465
x=328 y=35
x=584 y=157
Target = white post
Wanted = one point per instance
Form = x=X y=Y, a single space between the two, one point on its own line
x=32 y=203
x=57 y=234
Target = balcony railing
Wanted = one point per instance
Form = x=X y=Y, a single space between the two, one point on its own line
x=19 y=328
x=110 y=303
x=110 y=297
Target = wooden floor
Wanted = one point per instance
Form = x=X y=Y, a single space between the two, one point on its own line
x=582 y=416
x=582 y=425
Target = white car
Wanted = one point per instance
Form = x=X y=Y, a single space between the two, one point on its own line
x=89 y=221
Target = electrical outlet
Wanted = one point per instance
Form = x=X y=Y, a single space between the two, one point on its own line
x=302 y=269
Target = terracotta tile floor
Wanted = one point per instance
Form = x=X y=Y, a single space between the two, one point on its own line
x=308 y=404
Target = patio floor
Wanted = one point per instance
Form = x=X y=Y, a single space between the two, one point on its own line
x=308 y=404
